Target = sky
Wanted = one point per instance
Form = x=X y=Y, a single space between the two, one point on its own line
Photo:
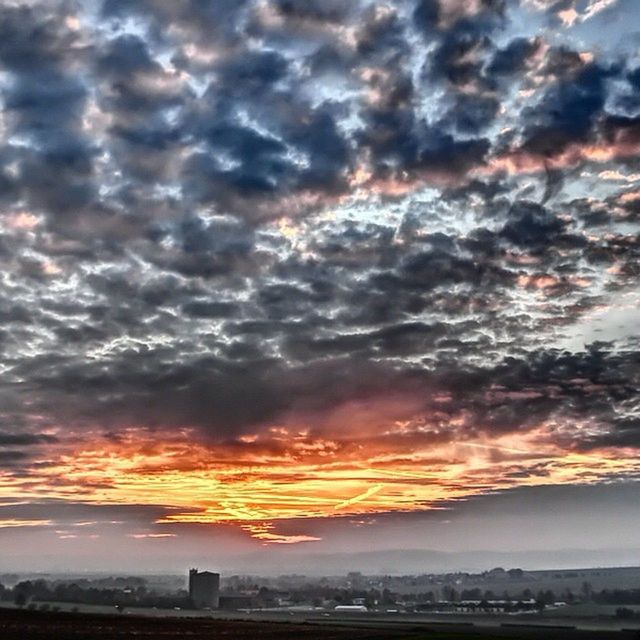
x=285 y=278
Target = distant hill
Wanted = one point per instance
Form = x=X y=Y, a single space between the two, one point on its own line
x=414 y=561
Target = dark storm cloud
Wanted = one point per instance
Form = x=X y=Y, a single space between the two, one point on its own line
x=622 y=131
x=471 y=114
x=569 y=110
x=426 y=14
x=593 y=384
x=456 y=58
x=332 y=11
x=399 y=143
x=133 y=80
x=210 y=309
x=61 y=513
x=443 y=153
x=400 y=140
x=194 y=19
x=514 y=57
x=429 y=15
x=21 y=439
x=221 y=397
x=43 y=102
x=382 y=34
x=220 y=247
x=249 y=172
x=531 y=226
x=30 y=42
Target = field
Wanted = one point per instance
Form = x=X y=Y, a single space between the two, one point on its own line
x=37 y=625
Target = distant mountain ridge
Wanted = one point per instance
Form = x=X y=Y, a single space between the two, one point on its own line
x=416 y=561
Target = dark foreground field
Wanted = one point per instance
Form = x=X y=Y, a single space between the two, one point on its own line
x=36 y=625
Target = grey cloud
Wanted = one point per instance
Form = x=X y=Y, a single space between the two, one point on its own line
x=231 y=218
x=22 y=439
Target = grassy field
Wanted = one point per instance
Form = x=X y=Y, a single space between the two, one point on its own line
x=44 y=625
x=37 y=625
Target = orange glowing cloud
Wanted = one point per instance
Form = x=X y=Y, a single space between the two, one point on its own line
x=23 y=221
x=285 y=475
x=9 y=523
x=264 y=531
x=623 y=144
x=543 y=282
x=518 y=161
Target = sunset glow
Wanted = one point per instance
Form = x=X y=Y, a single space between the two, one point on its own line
x=288 y=276
x=292 y=476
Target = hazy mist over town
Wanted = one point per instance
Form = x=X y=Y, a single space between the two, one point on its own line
x=324 y=288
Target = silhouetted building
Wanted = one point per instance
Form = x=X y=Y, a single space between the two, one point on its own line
x=204 y=589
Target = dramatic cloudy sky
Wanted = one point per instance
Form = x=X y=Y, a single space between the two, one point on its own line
x=318 y=272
